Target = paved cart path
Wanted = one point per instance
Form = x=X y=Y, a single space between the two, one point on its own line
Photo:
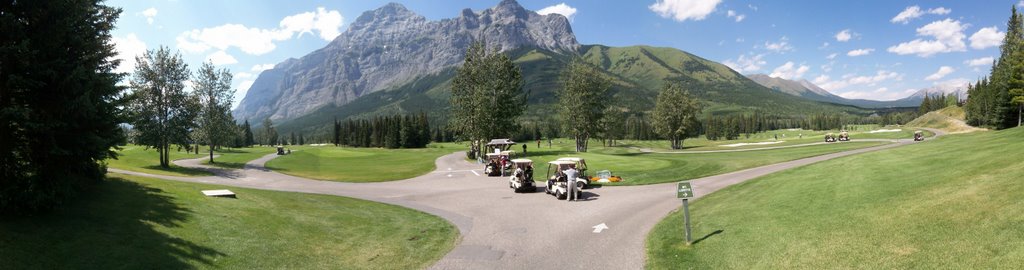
x=505 y=230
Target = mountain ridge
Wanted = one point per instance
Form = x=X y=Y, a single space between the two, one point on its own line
x=809 y=90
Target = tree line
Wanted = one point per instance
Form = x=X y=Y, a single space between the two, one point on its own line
x=997 y=100
x=395 y=131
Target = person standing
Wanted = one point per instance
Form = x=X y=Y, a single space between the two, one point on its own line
x=570 y=184
x=524 y=149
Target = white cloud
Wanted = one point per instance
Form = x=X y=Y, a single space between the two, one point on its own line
x=942 y=72
x=781 y=46
x=219 y=58
x=128 y=48
x=952 y=85
x=844 y=36
x=243 y=75
x=682 y=10
x=744 y=64
x=913 y=12
x=789 y=71
x=987 y=37
x=738 y=17
x=149 y=13
x=753 y=7
x=832 y=56
x=984 y=61
x=261 y=68
x=240 y=90
x=948 y=36
x=854 y=80
x=859 y=52
x=562 y=8
x=258 y=41
x=326 y=22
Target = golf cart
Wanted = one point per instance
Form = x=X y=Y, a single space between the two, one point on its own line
x=493 y=164
x=280 y=150
x=506 y=162
x=498 y=145
x=556 y=180
x=581 y=166
x=522 y=176
x=830 y=137
x=918 y=135
x=844 y=137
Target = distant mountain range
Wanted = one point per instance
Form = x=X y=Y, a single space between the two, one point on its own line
x=808 y=90
x=392 y=60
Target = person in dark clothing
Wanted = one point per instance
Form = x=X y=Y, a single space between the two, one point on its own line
x=524 y=149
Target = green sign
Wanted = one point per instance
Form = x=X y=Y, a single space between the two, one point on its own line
x=684 y=191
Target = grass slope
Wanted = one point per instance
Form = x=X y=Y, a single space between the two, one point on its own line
x=949 y=119
x=950 y=203
x=358 y=164
x=139 y=159
x=139 y=223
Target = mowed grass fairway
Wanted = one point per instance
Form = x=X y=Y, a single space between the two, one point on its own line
x=644 y=168
x=785 y=138
x=131 y=222
x=235 y=158
x=139 y=159
x=949 y=203
x=358 y=164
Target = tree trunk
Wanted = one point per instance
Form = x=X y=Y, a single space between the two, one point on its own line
x=211 y=152
x=1019 y=108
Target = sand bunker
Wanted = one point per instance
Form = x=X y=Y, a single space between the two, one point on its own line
x=885 y=130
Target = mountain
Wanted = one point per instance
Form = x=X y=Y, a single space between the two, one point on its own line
x=393 y=61
x=391 y=46
x=808 y=90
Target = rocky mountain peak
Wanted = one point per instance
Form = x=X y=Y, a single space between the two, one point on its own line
x=392 y=45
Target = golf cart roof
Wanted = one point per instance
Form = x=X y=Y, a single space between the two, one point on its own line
x=918 y=131
x=573 y=159
x=501 y=142
x=508 y=152
x=492 y=154
x=522 y=160
x=562 y=162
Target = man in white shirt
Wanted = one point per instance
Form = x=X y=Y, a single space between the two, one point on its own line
x=570 y=183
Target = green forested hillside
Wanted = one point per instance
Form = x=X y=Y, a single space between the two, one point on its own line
x=637 y=72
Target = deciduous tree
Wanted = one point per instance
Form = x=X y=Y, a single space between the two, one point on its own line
x=161 y=110
x=675 y=114
x=487 y=95
x=581 y=101
x=215 y=125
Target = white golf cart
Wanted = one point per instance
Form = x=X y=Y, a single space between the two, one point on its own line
x=581 y=166
x=918 y=136
x=522 y=176
x=556 y=180
x=505 y=160
x=844 y=136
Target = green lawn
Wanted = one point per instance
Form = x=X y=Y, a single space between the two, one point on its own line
x=139 y=159
x=949 y=203
x=785 y=137
x=359 y=164
x=139 y=223
x=641 y=168
x=235 y=158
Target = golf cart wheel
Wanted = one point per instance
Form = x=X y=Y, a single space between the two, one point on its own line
x=560 y=195
x=580 y=185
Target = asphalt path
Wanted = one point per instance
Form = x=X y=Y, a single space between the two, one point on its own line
x=500 y=229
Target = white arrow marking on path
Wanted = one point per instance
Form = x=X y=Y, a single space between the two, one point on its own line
x=449 y=175
x=600 y=227
x=474 y=172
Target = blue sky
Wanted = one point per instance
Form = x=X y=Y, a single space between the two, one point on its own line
x=880 y=50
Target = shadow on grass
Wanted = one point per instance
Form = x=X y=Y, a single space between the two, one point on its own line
x=112 y=227
x=708 y=236
x=177 y=169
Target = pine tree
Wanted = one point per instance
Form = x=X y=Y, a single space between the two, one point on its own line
x=247 y=133
x=59 y=101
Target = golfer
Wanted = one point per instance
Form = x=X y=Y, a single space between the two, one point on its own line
x=570 y=183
